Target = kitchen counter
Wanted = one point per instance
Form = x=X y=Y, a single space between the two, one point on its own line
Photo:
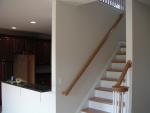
x=26 y=98
x=36 y=87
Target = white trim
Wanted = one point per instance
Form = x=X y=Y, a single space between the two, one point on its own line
x=53 y=59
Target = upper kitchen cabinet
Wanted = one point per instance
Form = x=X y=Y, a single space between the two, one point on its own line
x=43 y=52
x=23 y=46
x=6 y=48
x=29 y=46
x=11 y=46
x=18 y=45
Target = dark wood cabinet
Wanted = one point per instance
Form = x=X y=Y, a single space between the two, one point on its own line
x=6 y=50
x=29 y=46
x=12 y=46
x=44 y=48
x=18 y=45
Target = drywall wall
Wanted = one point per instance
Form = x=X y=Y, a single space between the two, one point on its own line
x=141 y=58
x=78 y=32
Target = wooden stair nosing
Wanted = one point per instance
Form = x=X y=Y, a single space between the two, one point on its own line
x=104 y=89
x=101 y=100
x=123 y=46
x=121 y=53
x=115 y=61
x=91 y=110
x=109 y=79
x=115 y=70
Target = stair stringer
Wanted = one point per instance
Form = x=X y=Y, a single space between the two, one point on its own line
x=84 y=103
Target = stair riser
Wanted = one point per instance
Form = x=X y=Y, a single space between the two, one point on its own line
x=107 y=84
x=122 y=49
x=115 y=75
x=83 y=112
x=117 y=65
x=100 y=106
x=103 y=94
x=120 y=57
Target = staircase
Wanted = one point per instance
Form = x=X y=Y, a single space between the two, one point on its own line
x=102 y=102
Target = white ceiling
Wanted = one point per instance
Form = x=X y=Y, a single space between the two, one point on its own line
x=19 y=13
x=77 y=2
x=80 y=2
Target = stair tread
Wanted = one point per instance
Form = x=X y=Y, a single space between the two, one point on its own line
x=115 y=70
x=91 y=110
x=101 y=100
x=118 y=61
x=104 y=89
x=109 y=79
x=121 y=53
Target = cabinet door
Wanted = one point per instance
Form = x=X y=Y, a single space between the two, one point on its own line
x=43 y=52
x=46 y=52
x=38 y=52
x=6 y=50
x=29 y=46
x=18 y=45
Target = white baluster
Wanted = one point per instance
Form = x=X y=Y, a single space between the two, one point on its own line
x=108 y=2
x=126 y=102
x=115 y=1
x=118 y=99
x=122 y=102
x=121 y=4
x=112 y=2
x=113 y=101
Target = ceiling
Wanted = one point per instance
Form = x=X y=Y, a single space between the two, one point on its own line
x=78 y=2
x=19 y=13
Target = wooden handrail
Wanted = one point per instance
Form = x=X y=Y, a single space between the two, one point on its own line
x=117 y=86
x=90 y=59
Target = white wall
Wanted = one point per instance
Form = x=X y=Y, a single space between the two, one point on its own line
x=78 y=32
x=141 y=58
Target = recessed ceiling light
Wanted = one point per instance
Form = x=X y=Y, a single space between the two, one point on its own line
x=13 y=27
x=33 y=22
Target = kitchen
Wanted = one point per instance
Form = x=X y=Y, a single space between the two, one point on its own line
x=25 y=55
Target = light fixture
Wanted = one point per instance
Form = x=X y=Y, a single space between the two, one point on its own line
x=33 y=22
x=13 y=27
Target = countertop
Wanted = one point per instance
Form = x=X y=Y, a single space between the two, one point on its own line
x=36 y=87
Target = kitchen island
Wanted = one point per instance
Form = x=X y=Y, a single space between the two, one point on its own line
x=26 y=98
